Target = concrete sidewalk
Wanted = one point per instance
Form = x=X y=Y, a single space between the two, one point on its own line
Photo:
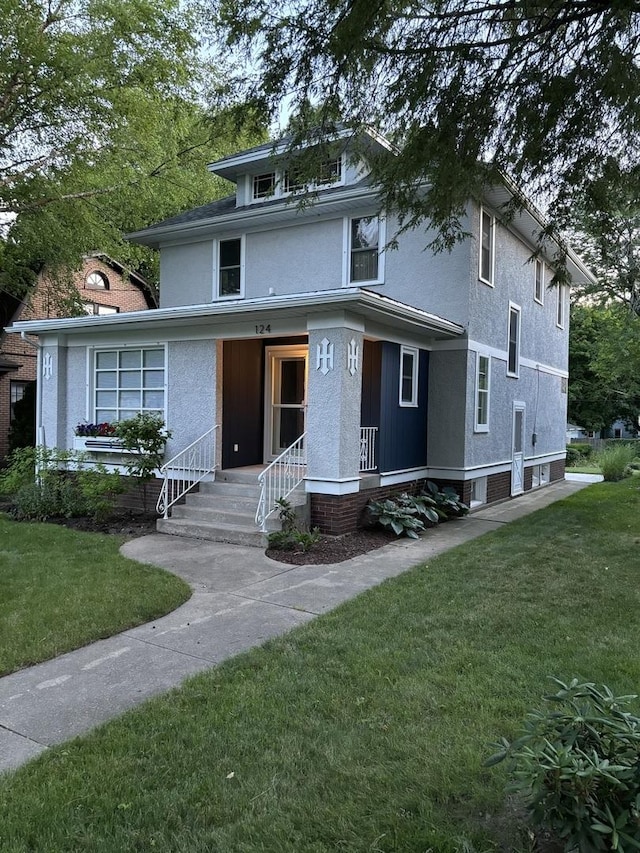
x=240 y=599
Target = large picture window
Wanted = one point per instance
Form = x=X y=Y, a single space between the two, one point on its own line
x=127 y=382
x=483 y=379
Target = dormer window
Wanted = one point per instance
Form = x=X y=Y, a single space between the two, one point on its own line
x=264 y=185
x=331 y=171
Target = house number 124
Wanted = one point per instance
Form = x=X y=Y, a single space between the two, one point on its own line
x=263 y=330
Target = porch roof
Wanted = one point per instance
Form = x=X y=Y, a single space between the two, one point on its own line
x=371 y=306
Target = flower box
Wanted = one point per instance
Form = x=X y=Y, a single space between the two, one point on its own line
x=98 y=444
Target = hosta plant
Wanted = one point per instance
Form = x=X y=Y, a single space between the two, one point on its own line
x=394 y=516
x=447 y=502
x=577 y=763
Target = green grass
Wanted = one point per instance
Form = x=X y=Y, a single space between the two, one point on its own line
x=62 y=589
x=367 y=729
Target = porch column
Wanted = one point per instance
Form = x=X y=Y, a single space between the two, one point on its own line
x=333 y=404
x=51 y=391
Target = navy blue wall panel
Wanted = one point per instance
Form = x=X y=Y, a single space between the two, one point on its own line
x=402 y=439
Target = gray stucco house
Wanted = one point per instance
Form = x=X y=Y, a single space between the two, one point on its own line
x=290 y=331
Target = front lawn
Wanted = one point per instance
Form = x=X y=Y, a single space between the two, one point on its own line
x=367 y=729
x=62 y=589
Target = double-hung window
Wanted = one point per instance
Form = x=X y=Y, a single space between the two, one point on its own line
x=365 y=258
x=513 y=350
x=127 y=382
x=538 y=293
x=408 y=376
x=230 y=268
x=483 y=381
x=487 y=247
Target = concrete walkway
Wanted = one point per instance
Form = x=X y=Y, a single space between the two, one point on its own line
x=240 y=599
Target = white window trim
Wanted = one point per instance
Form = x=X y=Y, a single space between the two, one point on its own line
x=489 y=281
x=346 y=250
x=279 y=190
x=560 y=308
x=478 y=427
x=518 y=310
x=216 y=297
x=413 y=403
x=92 y=353
x=537 y=261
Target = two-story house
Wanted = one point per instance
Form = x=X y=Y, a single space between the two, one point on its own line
x=291 y=332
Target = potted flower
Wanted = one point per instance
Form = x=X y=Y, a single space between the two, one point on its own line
x=96 y=437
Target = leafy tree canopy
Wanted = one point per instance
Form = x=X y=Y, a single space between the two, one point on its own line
x=546 y=92
x=604 y=366
x=103 y=127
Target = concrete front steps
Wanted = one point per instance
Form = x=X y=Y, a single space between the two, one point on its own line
x=224 y=511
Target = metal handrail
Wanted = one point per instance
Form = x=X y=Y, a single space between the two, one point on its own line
x=186 y=470
x=368 y=437
x=279 y=479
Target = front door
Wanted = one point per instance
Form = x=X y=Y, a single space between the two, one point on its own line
x=517 y=464
x=286 y=384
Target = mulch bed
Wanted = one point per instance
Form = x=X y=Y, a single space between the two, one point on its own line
x=335 y=549
x=120 y=524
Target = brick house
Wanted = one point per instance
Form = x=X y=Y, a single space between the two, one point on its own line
x=102 y=287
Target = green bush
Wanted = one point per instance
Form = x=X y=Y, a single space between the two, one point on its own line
x=402 y=518
x=584 y=450
x=577 y=762
x=447 y=502
x=574 y=457
x=144 y=436
x=292 y=537
x=66 y=485
x=614 y=461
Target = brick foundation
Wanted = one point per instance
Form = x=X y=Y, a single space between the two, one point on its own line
x=336 y=515
x=498 y=486
x=556 y=470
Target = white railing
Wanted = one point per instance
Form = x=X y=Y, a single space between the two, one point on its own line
x=187 y=469
x=279 y=479
x=368 y=448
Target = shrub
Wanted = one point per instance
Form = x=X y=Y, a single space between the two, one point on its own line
x=144 y=436
x=291 y=537
x=614 y=461
x=401 y=518
x=577 y=762
x=584 y=450
x=447 y=502
x=54 y=493
x=574 y=457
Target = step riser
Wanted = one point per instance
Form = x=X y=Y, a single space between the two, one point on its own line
x=220 y=518
x=180 y=527
x=241 y=490
x=222 y=502
x=242 y=477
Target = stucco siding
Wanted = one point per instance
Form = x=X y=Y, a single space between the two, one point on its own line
x=191 y=394
x=186 y=274
x=447 y=411
x=296 y=259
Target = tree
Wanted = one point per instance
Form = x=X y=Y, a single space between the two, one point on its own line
x=545 y=92
x=609 y=241
x=604 y=366
x=102 y=127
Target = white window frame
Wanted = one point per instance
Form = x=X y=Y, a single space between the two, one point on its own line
x=415 y=354
x=92 y=388
x=346 y=252
x=560 y=309
x=538 y=281
x=217 y=296
x=482 y=427
x=274 y=191
x=478 y=491
x=492 y=248
x=513 y=308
